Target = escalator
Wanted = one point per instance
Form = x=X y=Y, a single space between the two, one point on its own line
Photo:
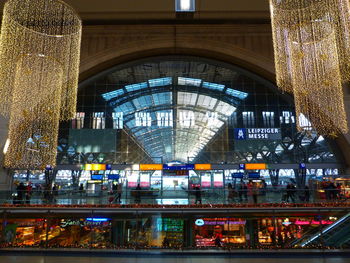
x=334 y=235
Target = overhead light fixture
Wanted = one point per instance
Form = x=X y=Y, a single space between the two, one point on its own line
x=311 y=48
x=39 y=58
x=185 y=5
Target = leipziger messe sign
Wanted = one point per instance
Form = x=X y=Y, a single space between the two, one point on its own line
x=242 y=134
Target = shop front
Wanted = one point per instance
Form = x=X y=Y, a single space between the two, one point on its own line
x=283 y=230
x=218 y=232
x=154 y=231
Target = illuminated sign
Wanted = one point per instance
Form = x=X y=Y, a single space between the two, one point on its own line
x=257 y=134
x=178 y=167
x=113 y=176
x=218 y=221
x=94 y=167
x=203 y=167
x=313 y=222
x=253 y=175
x=151 y=167
x=97 y=219
x=255 y=166
x=97 y=177
x=199 y=222
x=81 y=222
x=237 y=175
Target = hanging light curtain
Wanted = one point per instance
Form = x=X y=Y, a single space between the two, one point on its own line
x=39 y=58
x=301 y=26
x=316 y=78
x=47 y=27
x=34 y=118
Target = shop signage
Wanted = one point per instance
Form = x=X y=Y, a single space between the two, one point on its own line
x=113 y=176
x=199 y=222
x=313 y=222
x=253 y=175
x=202 y=222
x=255 y=166
x=151 y=167
x=241 y=134
x=95 y=221
x=178 y=167
x=94 y=167
x=203 y=167
x=237 y=175
x=241 y=166
x=97 y=177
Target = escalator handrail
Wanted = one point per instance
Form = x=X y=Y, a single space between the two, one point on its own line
x=327 y=229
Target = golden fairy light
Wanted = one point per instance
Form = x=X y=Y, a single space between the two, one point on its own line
x=316 y=78
x=300 y=30
x=46 y=27
x=39 y=58
x=34 y=118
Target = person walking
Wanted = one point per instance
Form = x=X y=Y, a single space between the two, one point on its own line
x=198 y=194
x=119 y=192
x=28 y=194
x=290 y=192
x=21 y=189
x=255 y=192
x=138 y=194
x=231 y=193
x=306 y=194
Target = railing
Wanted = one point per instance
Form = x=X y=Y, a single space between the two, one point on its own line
x=171 y=197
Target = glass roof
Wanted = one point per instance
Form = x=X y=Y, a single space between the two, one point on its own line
x=186 y=109
x=198 y=118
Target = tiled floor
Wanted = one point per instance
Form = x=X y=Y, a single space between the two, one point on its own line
x=168 y=259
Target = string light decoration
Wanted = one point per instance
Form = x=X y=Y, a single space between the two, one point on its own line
x=34 y=118
x=316 y=78
x=306 y=66
x=48 y=27
x=39 y=58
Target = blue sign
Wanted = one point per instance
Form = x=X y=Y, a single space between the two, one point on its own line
x=242 y=166
x=240 y=134
x=237 y=175
x=108 y=167
x=178 y=167
x=199 y=222
x=96 y=176
x=113 y=176
x=302 y=166
x=254 y=175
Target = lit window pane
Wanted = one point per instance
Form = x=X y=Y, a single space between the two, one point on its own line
x=189 y=82
x=185 y=5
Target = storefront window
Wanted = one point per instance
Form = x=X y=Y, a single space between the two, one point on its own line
x=284 y=230
x=210 y=232
x=155 y=232
x=25 y=232
x=83 y=232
